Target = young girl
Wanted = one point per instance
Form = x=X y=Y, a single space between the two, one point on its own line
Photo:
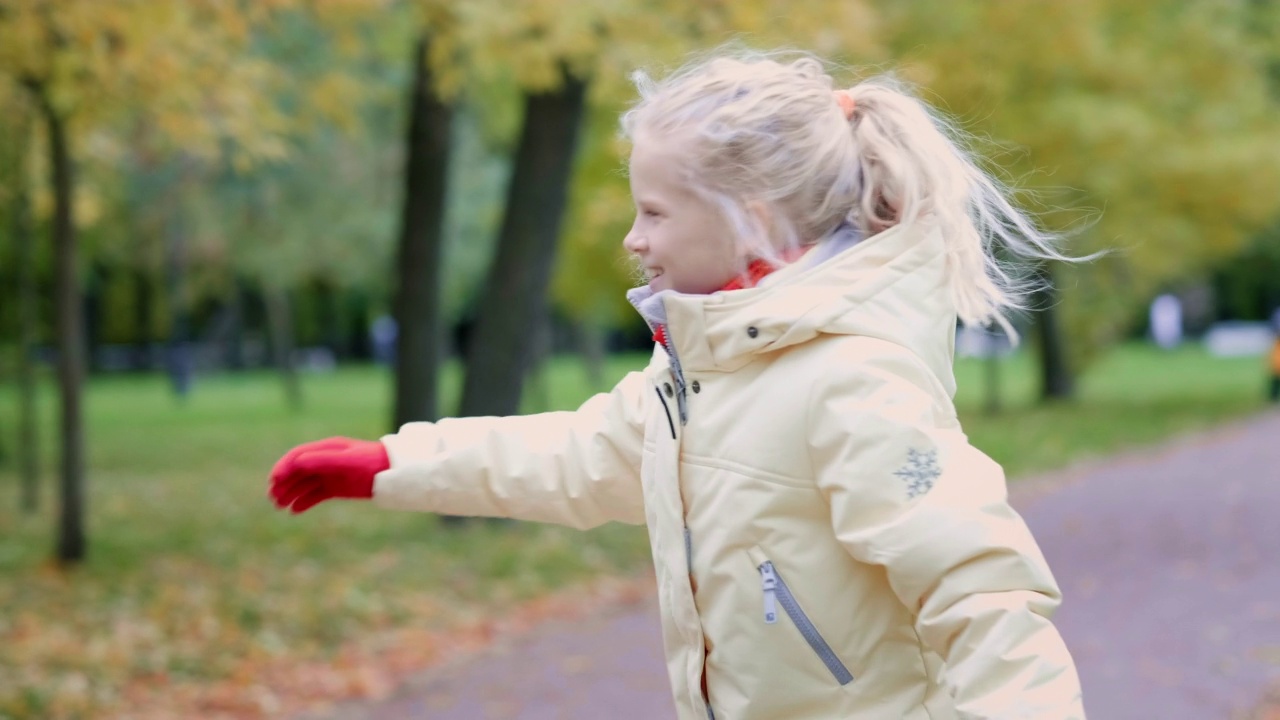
x=827 y=544
x=1274 y=392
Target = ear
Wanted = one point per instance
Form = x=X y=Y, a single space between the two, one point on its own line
x=761 y=214
x=764 y=216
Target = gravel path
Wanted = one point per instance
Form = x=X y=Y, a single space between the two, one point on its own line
x=1169 y=559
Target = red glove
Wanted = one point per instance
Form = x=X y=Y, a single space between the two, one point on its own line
x=331 y=468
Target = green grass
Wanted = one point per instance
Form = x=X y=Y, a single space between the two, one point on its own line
x=191 y=569
x=191 y=573
x=1136 y=395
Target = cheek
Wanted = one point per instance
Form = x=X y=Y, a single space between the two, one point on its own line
x=662 y=245
x=720 y=255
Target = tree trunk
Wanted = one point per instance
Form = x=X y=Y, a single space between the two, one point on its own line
x=992 y=366
x=330 y=311
x=539 y=377
x=144 y=317
x=356 y=325
x=179 y=359
x=1056 y=382
x=417 y=302
x=514 y=305
x=28 y=327
x=234 y=356
x=280 y=322
x=94 y=298
x=71 y=544
x=593 y=346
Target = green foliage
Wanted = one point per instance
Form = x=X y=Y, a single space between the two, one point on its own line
x=1247 y=285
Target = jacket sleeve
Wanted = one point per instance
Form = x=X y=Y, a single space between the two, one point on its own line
x=907 y=492
x=579 y=468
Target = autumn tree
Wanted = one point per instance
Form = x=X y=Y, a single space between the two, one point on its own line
x=27 y=22
x=316 y=213
x=1146 y=129
x=83 y=64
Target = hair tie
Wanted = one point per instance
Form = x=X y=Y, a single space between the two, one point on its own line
x=846 y=103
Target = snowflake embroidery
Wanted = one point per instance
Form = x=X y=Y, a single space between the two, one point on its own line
x=920 y=472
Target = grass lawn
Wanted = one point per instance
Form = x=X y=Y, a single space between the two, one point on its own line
x=194 y=578
x=1136 y=395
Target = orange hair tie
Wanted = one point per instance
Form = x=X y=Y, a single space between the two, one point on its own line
x=846 y=103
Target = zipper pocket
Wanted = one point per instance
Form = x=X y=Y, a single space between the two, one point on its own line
x=777 y=593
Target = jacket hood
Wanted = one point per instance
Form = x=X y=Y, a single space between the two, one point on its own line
x=891 y=286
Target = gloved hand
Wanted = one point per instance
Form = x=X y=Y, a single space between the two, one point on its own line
x=332 y=468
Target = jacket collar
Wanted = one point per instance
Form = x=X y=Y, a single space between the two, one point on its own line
x=890 y=286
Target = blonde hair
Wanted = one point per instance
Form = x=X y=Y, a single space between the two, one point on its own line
x=767 y=131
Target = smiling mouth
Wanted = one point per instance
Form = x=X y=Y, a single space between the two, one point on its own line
x=653 y=274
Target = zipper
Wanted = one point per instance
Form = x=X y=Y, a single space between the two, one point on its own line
x=682 y=399
x=688 y=549
x=667 y=408
x=770 y=579
x=776 y=592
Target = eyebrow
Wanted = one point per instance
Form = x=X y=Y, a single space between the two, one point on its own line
x=649 y=202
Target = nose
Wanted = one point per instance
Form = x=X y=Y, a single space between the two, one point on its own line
x=635 y=242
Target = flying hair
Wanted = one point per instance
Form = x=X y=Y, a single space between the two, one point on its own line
x=773 y=145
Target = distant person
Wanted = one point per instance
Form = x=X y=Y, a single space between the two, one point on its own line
x=826 y=541
x=383 y=333
x=1166 y=321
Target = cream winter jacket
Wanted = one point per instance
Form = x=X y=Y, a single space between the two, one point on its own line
x=827 y=544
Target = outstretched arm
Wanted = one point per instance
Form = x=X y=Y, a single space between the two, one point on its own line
x=578 y=468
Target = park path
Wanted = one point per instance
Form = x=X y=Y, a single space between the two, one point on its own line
x=1169 y=559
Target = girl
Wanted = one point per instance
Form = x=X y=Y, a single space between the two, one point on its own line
x=826 y=542
x=1275 y=368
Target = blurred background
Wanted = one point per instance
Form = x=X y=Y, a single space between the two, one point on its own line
x=227 y=227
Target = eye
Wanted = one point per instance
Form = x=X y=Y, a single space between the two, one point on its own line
x=650 y=213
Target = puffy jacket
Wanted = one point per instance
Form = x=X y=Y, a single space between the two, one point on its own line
x=827 y=544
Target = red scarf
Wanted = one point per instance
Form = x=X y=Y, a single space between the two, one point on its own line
x=756 y=271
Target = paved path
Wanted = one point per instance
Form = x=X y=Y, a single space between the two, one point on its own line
x=1169 y=560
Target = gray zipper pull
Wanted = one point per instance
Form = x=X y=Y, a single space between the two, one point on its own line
x=770 y=581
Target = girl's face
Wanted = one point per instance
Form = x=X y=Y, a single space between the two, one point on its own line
x=679 y=238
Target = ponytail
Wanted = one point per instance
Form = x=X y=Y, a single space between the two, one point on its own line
x=914 y=169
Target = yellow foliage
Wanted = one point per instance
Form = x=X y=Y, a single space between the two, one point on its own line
x=1158 y=114
x=185 y=70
